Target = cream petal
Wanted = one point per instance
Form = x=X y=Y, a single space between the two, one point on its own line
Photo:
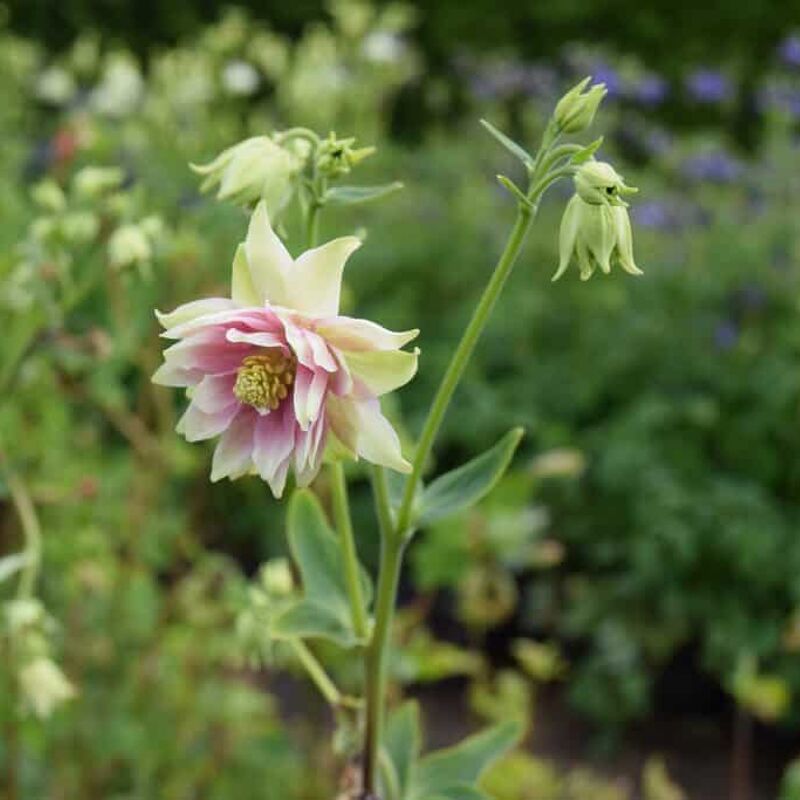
x=315 y=281
x=383 y=371
x=256 y=338
x=350 y=333
x=195 y=425
x=267 y=258
x=375 y=438
x=189 y=312
x=243 y=291
x=233 y=453
x=321 y=352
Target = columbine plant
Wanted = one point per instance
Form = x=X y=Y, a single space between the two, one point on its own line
x=288 y=384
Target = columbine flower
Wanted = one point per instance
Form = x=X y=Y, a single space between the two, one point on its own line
x=255 y=169
x=44 y=686
x=277 y=372
x=595 y=228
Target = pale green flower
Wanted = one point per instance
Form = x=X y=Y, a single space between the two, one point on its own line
x=44 y=686
x=595 y=229
x=255 y=169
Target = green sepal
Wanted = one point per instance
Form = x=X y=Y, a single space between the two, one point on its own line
x=587 y=153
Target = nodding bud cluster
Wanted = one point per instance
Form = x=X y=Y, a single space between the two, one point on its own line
x=595 y=228
x=576 y=109
x=338 y=156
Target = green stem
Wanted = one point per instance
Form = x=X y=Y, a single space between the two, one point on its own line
x=317 y=673
x=312 y=223
x=460 y=359
x=392 y=548
x=352 y=570
x=32 y=531
x=383 y=508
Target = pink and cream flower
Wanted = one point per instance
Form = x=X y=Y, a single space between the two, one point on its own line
x=277 y=373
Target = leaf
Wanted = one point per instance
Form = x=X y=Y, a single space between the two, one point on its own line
x=523 y=155
x=402 y=743
x=324 y=610
x=445 y=773
x=466 y=485
x=12 y=564
x=352 y=195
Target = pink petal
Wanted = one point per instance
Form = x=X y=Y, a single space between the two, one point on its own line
x=195 y=425
x=214 y=393
x=273 y=444
x=309 y=393
x=189 y=312
x=233 y=454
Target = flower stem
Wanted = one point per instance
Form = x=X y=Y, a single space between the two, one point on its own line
x=31 y=530
x=317 y=673
x=344 y=527
x=459 y=362
x=392 y=548
x=383 y=508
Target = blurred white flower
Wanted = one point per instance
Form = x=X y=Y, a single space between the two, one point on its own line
x=121 y=87
x=240 y=78
x=128 y=246
x=55 y=86
x=91 y=181
x=383 y=47
x=44 y=686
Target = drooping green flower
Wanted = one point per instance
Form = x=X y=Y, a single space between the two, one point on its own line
x=595 y=228
x=256 y=169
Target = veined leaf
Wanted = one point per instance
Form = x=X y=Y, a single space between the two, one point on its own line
x=445 y=773
x=324 y=609
x=352 y=195
x=523 y=155
x=466 y=485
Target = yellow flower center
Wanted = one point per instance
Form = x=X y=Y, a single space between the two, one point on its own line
x=262 y=381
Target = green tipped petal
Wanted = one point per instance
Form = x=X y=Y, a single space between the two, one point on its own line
x=567 y=236
x=625 y=241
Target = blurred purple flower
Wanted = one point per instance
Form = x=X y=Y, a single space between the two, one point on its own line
x=653 y=214
x=709 y=86
x=605 y=73
x=651 y=90
x=540 y=81
x=714 y=167
x=726 y=335
x=789 y=50
x=781 y=98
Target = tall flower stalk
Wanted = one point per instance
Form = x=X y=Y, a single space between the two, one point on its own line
x=289 y=383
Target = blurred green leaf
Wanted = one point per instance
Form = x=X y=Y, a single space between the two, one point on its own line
x=402 y=742
x=353 y=195
x=12 y=564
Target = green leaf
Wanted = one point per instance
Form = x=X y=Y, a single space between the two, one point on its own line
x=451 y=772
x=523 y=155
x=12 y=564
x=402 y=743
x=352 y=195
x=463 y=487
x=324 y=610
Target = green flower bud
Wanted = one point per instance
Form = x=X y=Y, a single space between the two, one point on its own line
x=257 y=168
x=576 y=109
x=595 y=228
x=337 y=157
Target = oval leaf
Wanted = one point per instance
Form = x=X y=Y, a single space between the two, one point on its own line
x=463 y=487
